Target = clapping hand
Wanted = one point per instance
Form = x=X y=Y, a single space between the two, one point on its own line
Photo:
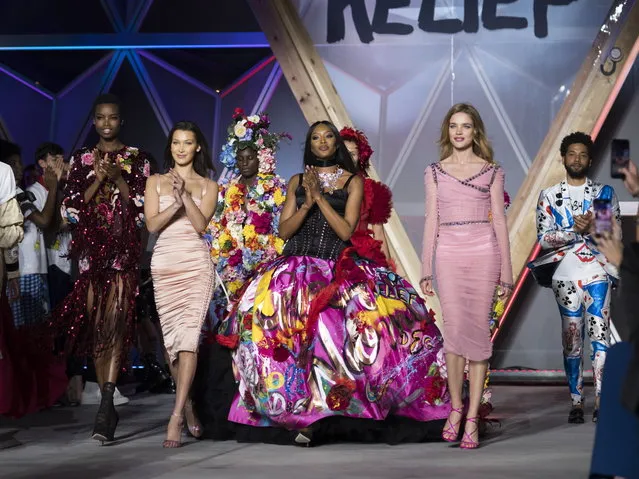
x=311 y=183
x=177 y=182
x=50 y=178
x=583 y=223
x=98 y=165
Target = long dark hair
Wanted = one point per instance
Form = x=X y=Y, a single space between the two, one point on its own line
x=342 y=156
x=202 y=160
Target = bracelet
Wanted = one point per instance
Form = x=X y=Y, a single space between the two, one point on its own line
x=505 y=285
x=426 y=278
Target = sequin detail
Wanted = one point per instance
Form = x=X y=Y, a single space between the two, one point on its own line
x=461 y=223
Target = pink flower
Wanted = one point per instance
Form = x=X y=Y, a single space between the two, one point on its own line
x=147 y=169
x=262 y=223
x=87 y=159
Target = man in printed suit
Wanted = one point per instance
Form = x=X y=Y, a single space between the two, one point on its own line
x=583 y=276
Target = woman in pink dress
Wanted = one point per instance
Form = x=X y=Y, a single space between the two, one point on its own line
x=466 y=224
x=179 y=205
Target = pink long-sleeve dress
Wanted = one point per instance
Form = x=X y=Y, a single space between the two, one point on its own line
x=466 y=231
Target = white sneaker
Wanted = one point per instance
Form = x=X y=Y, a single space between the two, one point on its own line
x=93 y=395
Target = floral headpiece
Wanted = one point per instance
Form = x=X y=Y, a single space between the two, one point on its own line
x=363 y=146
x=251 y=132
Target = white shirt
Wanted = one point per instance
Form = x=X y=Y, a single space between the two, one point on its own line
x=33 y=252
x=57 y=252
x=579 y=262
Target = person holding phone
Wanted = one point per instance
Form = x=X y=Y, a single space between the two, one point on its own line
x=570 y=215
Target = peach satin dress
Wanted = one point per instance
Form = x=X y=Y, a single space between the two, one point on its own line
x=183 y=280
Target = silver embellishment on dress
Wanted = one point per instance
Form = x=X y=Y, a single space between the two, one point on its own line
x=468 y=222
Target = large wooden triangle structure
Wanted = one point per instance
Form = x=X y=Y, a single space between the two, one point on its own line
x=585 y=109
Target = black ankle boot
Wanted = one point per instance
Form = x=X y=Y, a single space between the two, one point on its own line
x=107 y=418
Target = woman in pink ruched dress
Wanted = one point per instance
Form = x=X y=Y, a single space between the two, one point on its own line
x=179 y=206
x=466 y=225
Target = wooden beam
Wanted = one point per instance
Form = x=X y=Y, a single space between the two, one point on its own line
x=317 y=97
x=591 y=93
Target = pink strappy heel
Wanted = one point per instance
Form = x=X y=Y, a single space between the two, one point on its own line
x=451 y=431
x=467 y=441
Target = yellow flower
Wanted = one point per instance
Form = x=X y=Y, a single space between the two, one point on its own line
x=126 y=168
x=233 y=286
x=279 y=197
x=499 y=308
x=249 y=232
x=234 y=195
x=279 y=245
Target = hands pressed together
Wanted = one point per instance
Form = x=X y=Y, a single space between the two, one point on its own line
x=106 y=168
x=311 y=184
x=177 y=182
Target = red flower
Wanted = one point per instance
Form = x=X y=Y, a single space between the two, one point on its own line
x=247 y=322
x=238 y=113
x=262 y=222
x=230 y=341
x=235 y=258
x=434 y=388
x=339 y=397
x=506 y=199
x=281 y=354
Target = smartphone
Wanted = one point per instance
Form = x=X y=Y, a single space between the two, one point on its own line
x=603 y=216
x=619 y=157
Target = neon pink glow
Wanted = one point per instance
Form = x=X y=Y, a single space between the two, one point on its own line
x=248 y=75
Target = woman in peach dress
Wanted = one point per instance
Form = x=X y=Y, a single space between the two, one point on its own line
x=178 y=206
x=466 y=222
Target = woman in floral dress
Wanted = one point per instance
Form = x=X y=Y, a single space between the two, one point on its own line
x=103 y=204
x=319 y=332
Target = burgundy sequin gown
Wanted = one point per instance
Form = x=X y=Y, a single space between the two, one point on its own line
x=106 y=246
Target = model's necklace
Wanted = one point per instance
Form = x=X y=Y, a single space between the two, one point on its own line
x=329 y=180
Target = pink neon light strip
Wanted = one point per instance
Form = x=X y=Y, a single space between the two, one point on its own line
x=623 y=74
x=248 y=75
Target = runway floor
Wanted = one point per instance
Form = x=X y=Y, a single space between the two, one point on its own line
x=533 y=441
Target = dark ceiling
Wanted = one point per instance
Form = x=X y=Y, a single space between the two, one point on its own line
x=217 y=68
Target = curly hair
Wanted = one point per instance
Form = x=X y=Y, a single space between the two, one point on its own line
x=481 y=145
x=574 y=138
x=363 y=146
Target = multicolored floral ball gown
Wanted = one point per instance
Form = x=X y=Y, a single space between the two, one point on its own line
x=321 y=332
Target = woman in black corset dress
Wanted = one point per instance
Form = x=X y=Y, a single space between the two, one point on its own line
x=322 y=332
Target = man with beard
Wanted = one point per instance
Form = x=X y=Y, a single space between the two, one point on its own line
x=583 y=276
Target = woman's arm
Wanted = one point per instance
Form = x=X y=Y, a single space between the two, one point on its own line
x=344 y=226
x=291 y=218
x=500 y=227
x=201 y=216
x=431 y=225
x=155 y=220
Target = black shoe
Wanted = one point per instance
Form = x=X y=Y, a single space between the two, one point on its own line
x=107 y=418
x=576 y=415
x=595 y=415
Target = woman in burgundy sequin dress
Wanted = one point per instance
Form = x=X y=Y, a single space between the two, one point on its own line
x=103 y=204
x=466 y=223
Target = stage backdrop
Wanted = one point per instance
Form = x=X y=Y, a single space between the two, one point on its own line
x=398 y=65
